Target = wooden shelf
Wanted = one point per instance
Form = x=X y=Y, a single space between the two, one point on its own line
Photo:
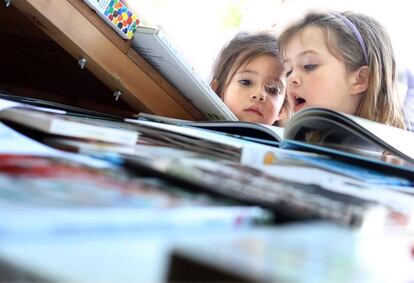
x=45 y=39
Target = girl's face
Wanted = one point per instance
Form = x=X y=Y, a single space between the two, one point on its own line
x=256 y=93
x=315 y=77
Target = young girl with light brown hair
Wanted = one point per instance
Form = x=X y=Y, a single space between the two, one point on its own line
x=343 y=62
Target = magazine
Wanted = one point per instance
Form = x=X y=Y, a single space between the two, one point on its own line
x=158 y=51
x=321 y=127
x=253 y=131
x=337 y=200
x=71 y=126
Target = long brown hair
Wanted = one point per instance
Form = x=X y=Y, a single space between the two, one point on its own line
x=381 y=101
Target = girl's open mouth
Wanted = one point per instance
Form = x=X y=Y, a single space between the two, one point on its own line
x=298 y=103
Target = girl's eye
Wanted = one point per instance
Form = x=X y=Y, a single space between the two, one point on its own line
x=288 y=73
x=273 y=90
x=245 y=82
x=310 y=67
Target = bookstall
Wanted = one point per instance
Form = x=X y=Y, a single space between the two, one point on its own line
x=94 y=190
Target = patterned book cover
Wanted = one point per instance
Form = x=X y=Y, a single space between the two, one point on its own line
x=117 y=15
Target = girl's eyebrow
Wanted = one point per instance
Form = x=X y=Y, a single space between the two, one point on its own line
x=247 y=71
x=256 y=73
x=303 y=54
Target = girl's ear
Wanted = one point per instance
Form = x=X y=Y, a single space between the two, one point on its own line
x=360 y=80
x=214 y=85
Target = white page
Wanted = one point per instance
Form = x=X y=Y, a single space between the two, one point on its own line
x=399 y=139
x=12 y=142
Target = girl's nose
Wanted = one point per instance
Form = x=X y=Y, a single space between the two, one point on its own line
x=293 y=81
x=259 y=94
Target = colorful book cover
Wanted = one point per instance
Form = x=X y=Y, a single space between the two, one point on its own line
x=114 y=12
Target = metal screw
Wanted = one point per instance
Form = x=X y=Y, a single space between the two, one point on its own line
x=8 y=3
x=117 y=94
x=82 y=63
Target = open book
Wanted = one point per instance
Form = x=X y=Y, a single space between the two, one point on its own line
x=321 y=129
x=158 y=51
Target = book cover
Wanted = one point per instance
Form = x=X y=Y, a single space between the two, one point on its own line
x=158 y=51
x=117 y=15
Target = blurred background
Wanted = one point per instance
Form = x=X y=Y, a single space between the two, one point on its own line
x=198 y=29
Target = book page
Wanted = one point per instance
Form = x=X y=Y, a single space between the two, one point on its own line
x=400 y=140
x=327 y=127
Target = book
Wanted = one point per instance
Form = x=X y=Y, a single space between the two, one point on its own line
x=116 y=15
x=335 y=197
x=158 y=140
x=15 y=143
x=52 y=198
x=212 y=143
x=251 y=131
x=158 y=51
x=305 y=252
x=70 y=126
x=349 y=133
x=328 y=131
x=31 y=102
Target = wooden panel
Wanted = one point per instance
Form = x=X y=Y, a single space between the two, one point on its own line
x=90 y=14
x=34 y=65
x=68 y=27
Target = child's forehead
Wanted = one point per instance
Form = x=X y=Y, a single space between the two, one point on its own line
x=268 y=68
x=257 y=60
x=312 y=38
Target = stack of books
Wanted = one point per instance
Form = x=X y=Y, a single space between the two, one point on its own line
x=64 y=172
x=197 y=156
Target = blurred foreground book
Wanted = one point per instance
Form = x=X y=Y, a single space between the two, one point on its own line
x=312 y=252
x=42 y=197
x=334 y=197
